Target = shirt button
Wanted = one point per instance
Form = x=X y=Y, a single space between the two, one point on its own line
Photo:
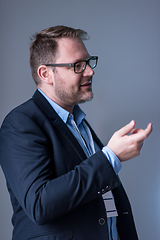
x=101 y=221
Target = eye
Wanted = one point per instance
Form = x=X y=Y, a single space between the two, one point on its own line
x=79 y=66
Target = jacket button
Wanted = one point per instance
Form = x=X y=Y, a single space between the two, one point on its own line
x=104 y=191
x=101 y=221
x=125 y=213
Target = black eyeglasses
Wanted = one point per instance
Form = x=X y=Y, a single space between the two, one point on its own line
x=79 y=66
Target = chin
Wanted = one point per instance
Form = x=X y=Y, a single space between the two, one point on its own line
x=87 y=98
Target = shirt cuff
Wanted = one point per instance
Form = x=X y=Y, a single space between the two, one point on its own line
x=113 y=159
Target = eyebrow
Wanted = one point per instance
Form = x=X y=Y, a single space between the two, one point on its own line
x=67 y=63
x=82 y=59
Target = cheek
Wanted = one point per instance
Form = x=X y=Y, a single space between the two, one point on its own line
x=73 y=83
x=69 y=79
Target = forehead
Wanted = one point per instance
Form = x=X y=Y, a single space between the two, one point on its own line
x=71 y=50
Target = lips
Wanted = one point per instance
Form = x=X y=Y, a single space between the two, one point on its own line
x=86 y=84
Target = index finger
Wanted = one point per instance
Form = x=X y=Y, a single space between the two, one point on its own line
x=140 y=134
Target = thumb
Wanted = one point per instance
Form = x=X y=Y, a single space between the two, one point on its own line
x=127 y=128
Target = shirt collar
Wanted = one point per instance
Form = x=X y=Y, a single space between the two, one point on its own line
x=78 y=115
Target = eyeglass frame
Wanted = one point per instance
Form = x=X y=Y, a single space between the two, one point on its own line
x=74 y=64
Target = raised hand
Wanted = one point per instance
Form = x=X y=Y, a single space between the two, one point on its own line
x=128 y=146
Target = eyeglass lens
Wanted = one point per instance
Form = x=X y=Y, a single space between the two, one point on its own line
x=92 y=62
x=80 y=66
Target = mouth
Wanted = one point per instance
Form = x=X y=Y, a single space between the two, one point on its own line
x=87 y=84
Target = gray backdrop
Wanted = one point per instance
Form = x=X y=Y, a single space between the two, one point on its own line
x=126 y=37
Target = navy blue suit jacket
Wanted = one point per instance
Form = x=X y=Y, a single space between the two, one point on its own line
x=56 y=192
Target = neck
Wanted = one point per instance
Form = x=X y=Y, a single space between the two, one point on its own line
x=68 y=108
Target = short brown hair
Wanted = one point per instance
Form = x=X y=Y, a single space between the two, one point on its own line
x=43 y=48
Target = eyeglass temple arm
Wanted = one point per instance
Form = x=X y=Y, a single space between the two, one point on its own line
x=60 y=64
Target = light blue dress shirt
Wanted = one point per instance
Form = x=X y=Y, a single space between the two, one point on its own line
x=79 y=131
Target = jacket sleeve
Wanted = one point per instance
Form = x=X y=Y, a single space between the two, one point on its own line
x=29 y=169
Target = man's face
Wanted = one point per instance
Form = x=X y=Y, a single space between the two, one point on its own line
x=70 y=88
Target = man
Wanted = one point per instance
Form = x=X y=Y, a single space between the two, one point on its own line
x=56 y=168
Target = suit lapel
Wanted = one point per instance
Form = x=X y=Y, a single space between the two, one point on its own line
x=47 y=109
x=95 y=138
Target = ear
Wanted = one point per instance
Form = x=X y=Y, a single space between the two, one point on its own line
x=45 y=73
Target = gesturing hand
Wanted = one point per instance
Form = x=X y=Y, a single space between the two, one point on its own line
x=128 y=146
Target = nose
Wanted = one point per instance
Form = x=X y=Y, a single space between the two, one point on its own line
x=88 y=71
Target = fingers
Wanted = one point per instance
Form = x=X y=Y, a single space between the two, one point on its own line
x=128 y=146
x=129 y=128
x=126 y=129
x=149 y=128
x=140 y=134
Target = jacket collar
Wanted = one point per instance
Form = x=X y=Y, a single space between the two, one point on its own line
x=51 y=114
x=48 y=110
